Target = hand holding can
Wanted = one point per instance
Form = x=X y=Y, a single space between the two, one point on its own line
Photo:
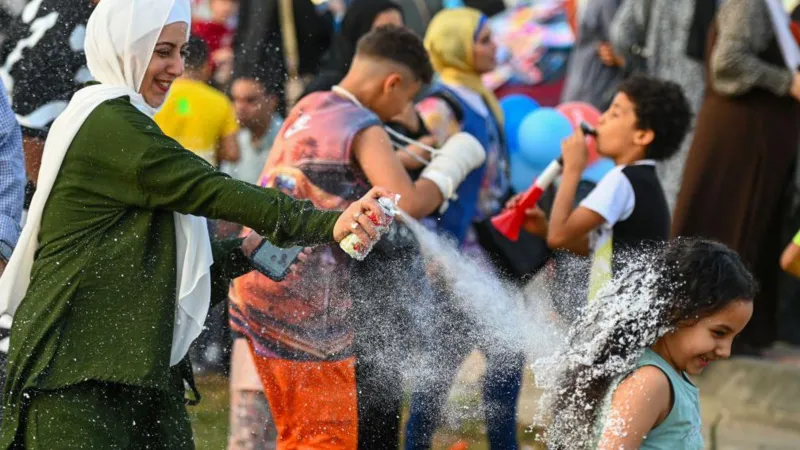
x=354 y=246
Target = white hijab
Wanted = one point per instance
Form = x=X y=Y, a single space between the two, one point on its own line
x=120 y=38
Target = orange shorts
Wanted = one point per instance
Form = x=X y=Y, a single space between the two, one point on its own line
x=313 y=403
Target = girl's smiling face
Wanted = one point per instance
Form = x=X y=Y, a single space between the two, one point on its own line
x=691 y=347
x=166 y=64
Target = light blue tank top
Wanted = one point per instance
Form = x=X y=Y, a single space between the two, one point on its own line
x=682 y=427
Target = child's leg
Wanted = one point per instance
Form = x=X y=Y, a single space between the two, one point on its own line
x=251 y=422
x=251 y=425
x=446 y=343
x=427 y=402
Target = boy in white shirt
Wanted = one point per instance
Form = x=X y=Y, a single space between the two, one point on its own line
x=646 y=122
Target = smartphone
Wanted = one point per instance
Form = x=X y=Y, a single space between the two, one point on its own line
x=274 y=262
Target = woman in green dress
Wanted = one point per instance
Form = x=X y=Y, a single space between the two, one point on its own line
x=115 y=272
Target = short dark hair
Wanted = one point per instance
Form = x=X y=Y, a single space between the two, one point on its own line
x=196 y=53
x=398 y=45
x=662 y=107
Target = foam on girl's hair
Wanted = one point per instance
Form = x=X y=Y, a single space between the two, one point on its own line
x=606 y=340
x=657 y=290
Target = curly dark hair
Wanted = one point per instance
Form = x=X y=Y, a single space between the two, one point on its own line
x=681 y=283
x=398 y=45
x=662 y=107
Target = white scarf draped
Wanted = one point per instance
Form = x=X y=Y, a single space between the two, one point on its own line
x=120 y=38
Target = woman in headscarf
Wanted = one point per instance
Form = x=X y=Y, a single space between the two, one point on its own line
x=461 y=49
x=114 y=272
x=361 y=17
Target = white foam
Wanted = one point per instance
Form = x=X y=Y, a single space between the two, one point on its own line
x=506 y=314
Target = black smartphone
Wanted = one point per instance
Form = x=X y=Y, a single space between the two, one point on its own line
x=273 y=261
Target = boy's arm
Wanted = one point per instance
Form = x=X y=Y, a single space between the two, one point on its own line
x=373 y=152
x=569 y=228
x=790 y=259
x=415 y=162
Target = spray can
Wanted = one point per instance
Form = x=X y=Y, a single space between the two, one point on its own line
x=353 y=246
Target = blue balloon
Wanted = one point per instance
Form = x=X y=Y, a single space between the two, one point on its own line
x=598 y=170
x=540 y=136
x=522 y=174
x=515 y=108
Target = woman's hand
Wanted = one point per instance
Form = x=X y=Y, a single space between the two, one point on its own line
x=795 y=88
x=250 y=243
x=360 y=216
x=608 y=56
x=253 y=240
x=294 y=269
x=514 y=201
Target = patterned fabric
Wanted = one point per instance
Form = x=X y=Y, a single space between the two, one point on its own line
x=311 y=159
x=662 y=28
x=313 y=403
x=440 y=119
x=12 y=173
x=736 y=66
x=43 y=62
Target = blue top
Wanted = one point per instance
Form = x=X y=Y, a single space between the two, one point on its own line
x=682 y=427
x=12 y=173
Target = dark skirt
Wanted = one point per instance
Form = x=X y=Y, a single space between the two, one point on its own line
x=734 y=188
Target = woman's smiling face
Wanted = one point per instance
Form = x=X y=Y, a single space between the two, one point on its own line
x=166 y=64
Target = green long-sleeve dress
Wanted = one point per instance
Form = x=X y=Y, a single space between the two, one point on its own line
x=102 y=297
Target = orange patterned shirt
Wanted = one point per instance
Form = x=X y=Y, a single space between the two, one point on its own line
x=305 y=317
